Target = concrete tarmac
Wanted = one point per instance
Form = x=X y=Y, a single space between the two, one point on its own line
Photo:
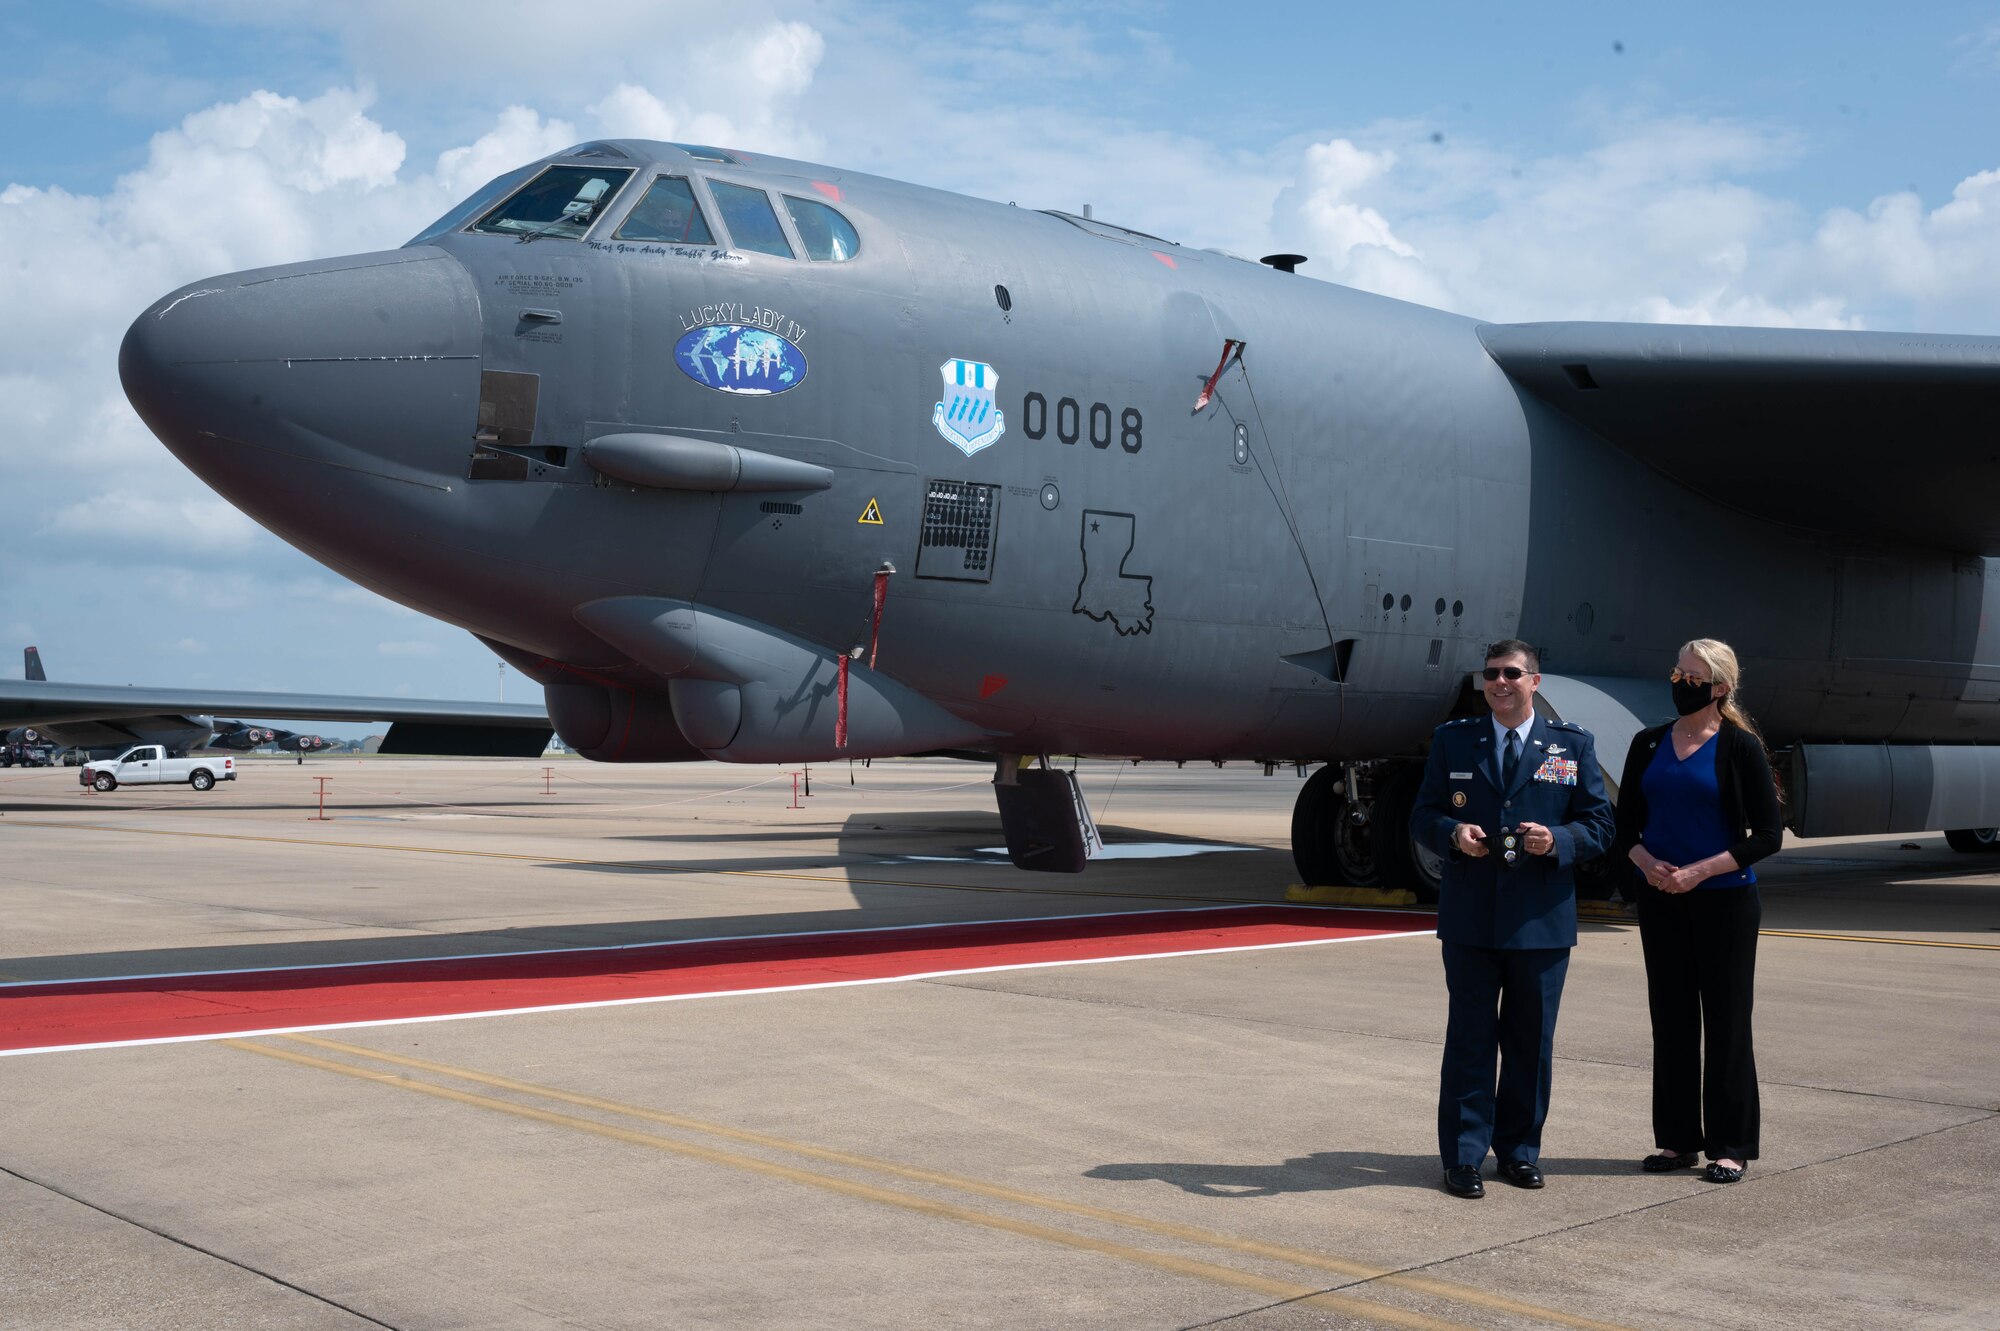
x=1241 y=1139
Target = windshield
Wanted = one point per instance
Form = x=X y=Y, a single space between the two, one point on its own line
x=486 y=196
x=561 y=202
x=748 y=215
x=827 y=235
x=668 y=212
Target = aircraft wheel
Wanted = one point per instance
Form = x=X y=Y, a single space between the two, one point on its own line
x=1973 y=840
x=1329 y=844
x=1404 y=861
x=104 y=783
x=201 y=780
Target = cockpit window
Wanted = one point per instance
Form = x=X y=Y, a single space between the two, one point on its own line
x=752 y=223
x=827 y=235
x=668 y=212
x=492 y=192
x=561 y=202
x=701 y=152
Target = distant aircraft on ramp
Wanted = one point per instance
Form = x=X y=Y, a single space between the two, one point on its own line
x=111 y=718
x=760 y=460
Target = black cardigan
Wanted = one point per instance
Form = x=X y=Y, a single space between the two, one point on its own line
x=1743 y=773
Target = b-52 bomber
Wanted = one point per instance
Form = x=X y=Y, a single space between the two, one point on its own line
x=758 y=460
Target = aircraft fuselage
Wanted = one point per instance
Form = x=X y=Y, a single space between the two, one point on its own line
x=1305 y=568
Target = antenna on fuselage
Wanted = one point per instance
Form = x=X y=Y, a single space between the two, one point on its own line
x=1284 y=263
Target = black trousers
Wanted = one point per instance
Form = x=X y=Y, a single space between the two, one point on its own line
x=1701 y=971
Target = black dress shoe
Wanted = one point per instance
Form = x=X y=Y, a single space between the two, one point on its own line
x=1522 y=1174
x=1667 y=1164
x=1464 y=1181
x=1716 y=1173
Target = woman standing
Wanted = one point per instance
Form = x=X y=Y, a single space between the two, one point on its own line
x=1696 y=808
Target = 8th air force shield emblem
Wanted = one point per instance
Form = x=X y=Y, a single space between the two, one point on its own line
x=967 y=417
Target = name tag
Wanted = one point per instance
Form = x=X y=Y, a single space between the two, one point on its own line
x=1461 y=776
x=1559 y=771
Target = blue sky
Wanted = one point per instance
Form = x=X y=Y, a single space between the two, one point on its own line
x=1826 y=165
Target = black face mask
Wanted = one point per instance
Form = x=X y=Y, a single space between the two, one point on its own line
x=1690 y=698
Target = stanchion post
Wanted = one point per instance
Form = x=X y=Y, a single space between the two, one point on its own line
x=321 y=817
x=548 y=780
x=795 y=793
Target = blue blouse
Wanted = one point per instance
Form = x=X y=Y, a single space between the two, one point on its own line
x=1684 y=811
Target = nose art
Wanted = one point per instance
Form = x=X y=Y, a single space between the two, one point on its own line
x=368 y=364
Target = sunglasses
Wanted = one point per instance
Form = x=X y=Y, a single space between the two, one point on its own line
x=1508 y=673
x=1680 y=676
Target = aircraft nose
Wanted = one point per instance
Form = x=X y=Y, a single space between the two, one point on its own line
x=283 y=386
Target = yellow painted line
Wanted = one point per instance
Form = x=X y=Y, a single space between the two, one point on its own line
x=1868 y=938
x=634 y=866
x=1183 y=1266
x=999 y=1192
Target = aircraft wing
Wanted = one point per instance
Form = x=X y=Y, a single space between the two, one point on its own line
x=1895 y=435
x=445 y=726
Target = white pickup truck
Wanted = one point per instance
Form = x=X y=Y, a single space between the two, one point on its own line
x=148 y=764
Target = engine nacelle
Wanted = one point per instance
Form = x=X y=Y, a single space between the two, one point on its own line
x=608 y=724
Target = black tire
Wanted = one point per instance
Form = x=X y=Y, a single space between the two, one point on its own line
x=1403 y=861
x=1312 y=814
x=1973 y=840
x=104 y=783
x=1330 y=848
x=201 y=780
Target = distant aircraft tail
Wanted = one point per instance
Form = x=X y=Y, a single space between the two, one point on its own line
x=31 y=660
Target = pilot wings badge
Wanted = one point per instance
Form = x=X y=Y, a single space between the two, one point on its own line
x=967 y=416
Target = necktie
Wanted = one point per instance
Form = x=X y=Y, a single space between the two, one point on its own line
x=1513 y=759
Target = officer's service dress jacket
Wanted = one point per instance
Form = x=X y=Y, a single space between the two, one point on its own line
x=1557 y=784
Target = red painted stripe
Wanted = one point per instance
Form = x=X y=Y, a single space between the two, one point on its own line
x=90 y=1012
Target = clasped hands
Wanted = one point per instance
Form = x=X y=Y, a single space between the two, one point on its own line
x=1471 y=840
x=1668 y=878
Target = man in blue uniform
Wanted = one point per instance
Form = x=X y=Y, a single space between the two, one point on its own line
x=1514 y=802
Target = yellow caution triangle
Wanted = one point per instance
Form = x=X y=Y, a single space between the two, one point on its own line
x=872 y=515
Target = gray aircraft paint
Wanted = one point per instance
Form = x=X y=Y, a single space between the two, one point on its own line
x=1373 y=482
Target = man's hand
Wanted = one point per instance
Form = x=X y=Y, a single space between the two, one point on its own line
x=1538 y=839
x=1470 y=840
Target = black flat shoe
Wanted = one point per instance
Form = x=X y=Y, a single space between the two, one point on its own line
x=1464 y=1181
x=1667 y=1164
x=1716 y=1173
x=1521 y=1174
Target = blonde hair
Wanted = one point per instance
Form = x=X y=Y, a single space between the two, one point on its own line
x=1720 y=659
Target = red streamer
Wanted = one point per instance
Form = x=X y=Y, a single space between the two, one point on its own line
x=840 y=708
x=1231 y=349
x=875 y=629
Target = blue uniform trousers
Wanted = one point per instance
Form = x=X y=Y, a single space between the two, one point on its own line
x=1503 y=1007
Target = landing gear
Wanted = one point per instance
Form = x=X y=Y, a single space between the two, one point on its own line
x=1047 y=824
x=1974 y=840
x=1351 y=827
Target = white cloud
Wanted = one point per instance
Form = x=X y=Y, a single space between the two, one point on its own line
x=141 y=522
x=1946 y=257
x=1654 y=223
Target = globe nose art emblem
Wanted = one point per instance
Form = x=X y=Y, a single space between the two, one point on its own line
x=732 y=358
